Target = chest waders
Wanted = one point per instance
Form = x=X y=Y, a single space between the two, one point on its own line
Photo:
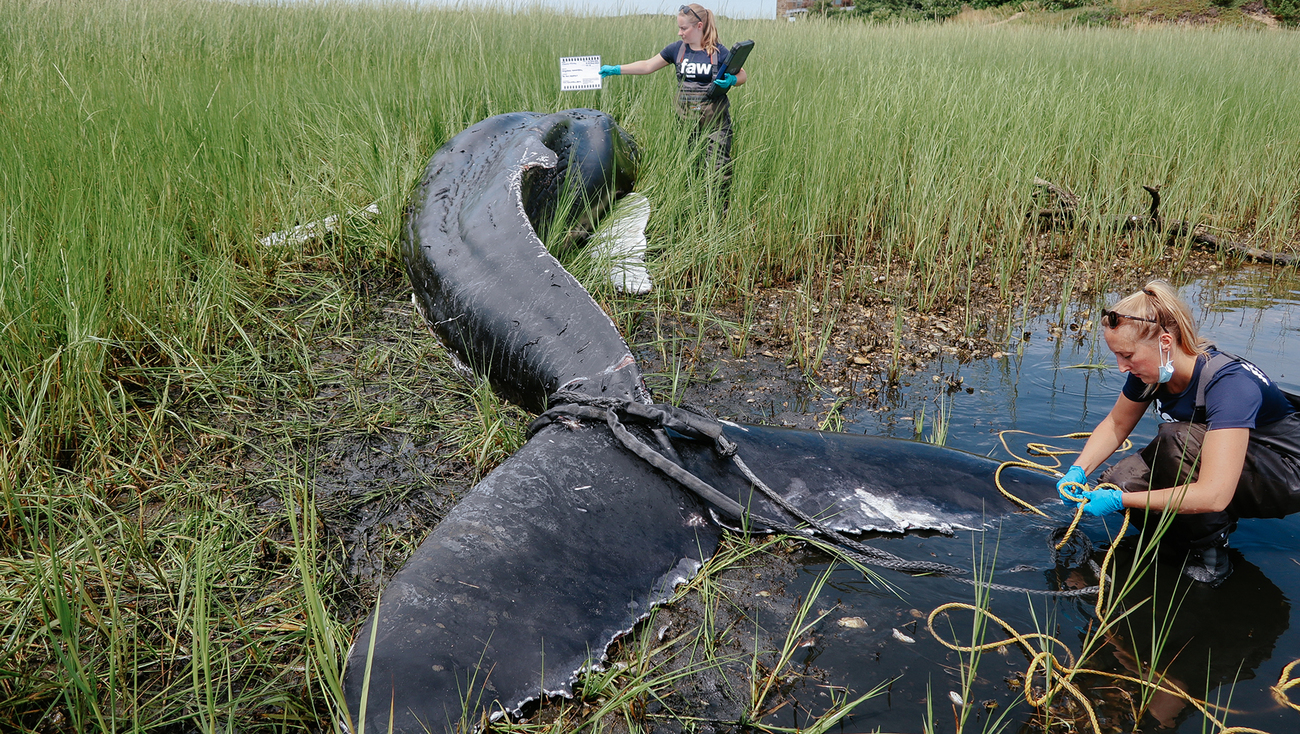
x=711 y=123
x=1269 y=484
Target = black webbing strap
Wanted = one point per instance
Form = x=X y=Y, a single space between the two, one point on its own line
x=568 y=406
x=1212 y=366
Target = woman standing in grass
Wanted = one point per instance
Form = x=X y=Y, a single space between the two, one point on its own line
x=1229 y=447
x=698 y=56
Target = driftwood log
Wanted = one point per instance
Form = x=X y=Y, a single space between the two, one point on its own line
x=1061 y=211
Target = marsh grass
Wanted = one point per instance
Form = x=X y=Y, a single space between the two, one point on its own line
x=496 y=430
x=940 y=422
x=175 y=398
x=207 y=576
x=151 y=144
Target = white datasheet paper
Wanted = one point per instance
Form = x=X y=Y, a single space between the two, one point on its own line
x=579 y=72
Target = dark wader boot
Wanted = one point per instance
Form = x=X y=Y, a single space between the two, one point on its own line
x=711 y=134
x=1269 y=487
x=716 y=134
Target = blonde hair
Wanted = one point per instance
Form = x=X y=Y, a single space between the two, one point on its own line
x=1155 y=309
x=709 y=33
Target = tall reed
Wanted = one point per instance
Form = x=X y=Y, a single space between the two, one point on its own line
x=148 y=146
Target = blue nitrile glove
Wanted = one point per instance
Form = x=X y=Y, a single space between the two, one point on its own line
x=1074 y=476
x=726 y=81
x=1103 y=502
x=608 y=70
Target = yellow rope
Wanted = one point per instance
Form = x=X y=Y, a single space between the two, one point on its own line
x=997 y=479
x=1046 y=662
x=1073 y=490
x=1050 y=666
x=1285 y=683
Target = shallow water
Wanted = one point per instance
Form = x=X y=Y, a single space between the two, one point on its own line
x=1240 y=632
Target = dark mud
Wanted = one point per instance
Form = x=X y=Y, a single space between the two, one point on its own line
x=364 y=403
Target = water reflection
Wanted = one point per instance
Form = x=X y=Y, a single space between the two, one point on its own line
x=1187 y=635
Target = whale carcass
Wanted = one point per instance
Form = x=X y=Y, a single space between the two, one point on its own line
x=575 y=538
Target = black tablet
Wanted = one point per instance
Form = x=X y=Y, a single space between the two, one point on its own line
x=735 y=62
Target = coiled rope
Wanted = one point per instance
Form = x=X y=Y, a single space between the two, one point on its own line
x=1285 y=683
x=1072 y=491
x=1058 y=677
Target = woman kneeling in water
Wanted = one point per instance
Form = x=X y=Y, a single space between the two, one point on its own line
x=1230 y=446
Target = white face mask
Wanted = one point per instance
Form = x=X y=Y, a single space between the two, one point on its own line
x=1166 y=365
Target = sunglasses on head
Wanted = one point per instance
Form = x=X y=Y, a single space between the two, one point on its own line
x=1111 y=318
x=683 y=10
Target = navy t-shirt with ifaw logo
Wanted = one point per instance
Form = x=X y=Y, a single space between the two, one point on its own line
x=697 y=67
x=1239 y=395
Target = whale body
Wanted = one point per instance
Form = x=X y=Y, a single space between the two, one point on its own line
x=574 y=539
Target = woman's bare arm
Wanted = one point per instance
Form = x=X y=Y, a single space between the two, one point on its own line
x=1223 y=455
x=1110 y=433
x=646 y=66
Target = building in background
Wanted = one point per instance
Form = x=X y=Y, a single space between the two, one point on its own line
x=794 y=9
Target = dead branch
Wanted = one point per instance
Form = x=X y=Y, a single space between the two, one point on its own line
x=1062 y=213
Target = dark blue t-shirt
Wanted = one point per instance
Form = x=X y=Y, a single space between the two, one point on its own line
x=1239 y=395
x=697 y=66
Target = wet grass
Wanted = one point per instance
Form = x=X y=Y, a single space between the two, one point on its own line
x=200 y=433
x=150 y=145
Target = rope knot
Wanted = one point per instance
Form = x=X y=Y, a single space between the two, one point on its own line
x=725 y=446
